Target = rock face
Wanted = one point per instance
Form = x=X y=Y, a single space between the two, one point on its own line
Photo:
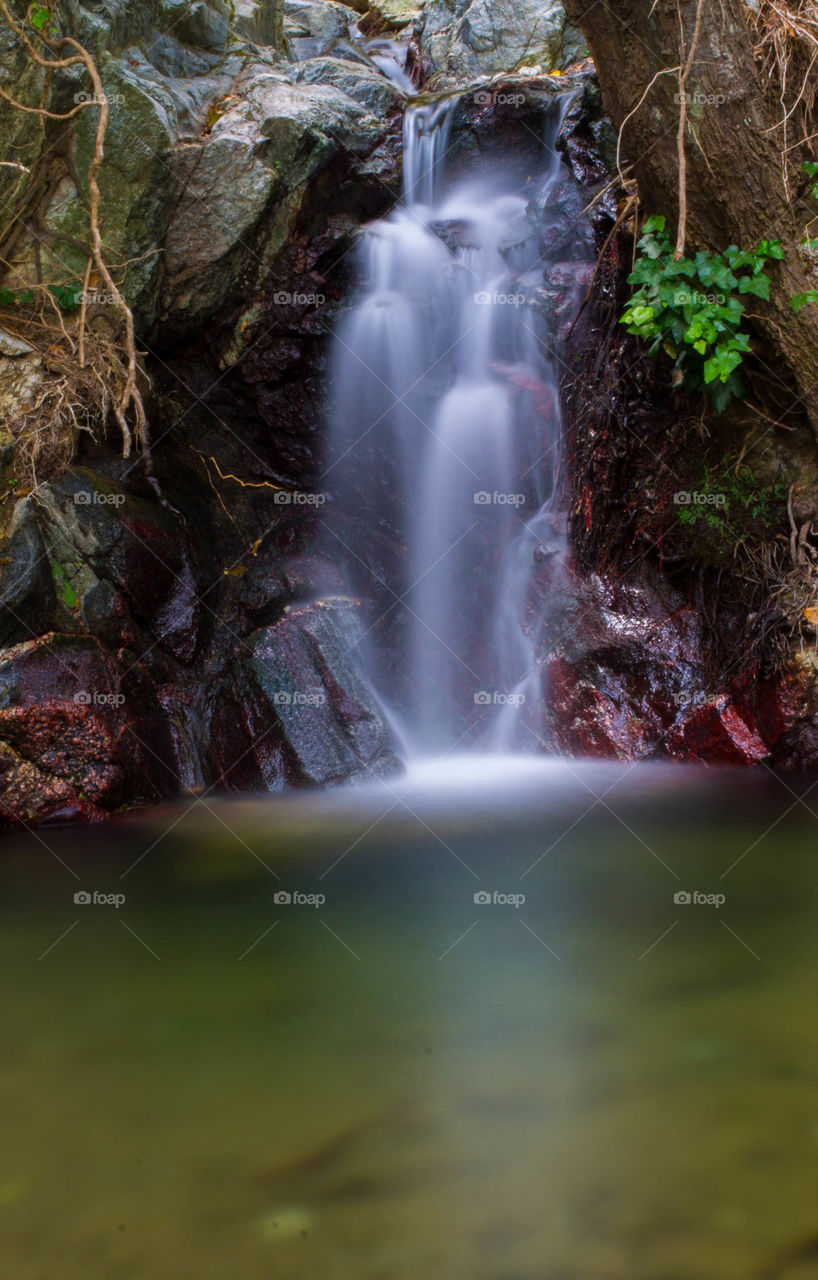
x=151 y=645
x=464 y=39
x=144 y=647
x=626 y=677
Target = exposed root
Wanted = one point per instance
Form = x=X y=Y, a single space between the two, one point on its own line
x=786 y=34
x=114 y=373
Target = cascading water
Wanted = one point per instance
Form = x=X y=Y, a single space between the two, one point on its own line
x=445 y=447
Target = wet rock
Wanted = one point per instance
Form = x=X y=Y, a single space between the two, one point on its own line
x=97 y=533
x=784 y=712
x=715 y=734
x=463 y=39
x=252 y=169
x=80 y=733
x=621 y=657
x=323 y=21
x=28 y=604
x=295 y=709
x=365 y=86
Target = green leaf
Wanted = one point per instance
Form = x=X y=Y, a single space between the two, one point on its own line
x=720 y=365
x=759 y=285
x=39 y=16
x=656 y=222
x=799 y=300
x=770 y=249
x=68 y=296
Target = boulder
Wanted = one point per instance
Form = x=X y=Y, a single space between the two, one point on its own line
x=295 y=709
x=244 y=184
x=715 y=733
x=463 y=39
x=80 y=732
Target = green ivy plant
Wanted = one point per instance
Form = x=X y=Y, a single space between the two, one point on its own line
x=67 y=296
x=809 y=243
x=692 y=308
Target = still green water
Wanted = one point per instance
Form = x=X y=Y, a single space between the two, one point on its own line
x=595 y=1083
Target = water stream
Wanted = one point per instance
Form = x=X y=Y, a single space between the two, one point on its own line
x=446 y=403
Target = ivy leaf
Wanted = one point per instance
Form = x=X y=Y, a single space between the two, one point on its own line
x=770 y=249
x=799 y=300
x=68 y=296
x=721 y=364
x=759 y=285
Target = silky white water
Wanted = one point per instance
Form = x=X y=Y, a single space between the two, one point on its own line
x=444 y=441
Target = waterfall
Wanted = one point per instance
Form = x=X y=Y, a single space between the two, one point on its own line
x=444 y=446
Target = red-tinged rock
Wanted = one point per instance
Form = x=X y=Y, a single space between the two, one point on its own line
x=588 y=722
x=715 y=733
x=785 y=713
x=81 y=734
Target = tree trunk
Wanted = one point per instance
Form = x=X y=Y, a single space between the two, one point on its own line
x=735 y=185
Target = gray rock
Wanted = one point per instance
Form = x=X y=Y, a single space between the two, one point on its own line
x=27 y=600
x=365 y=86
x=256 y=163
x=463 y=39
x=296 y=709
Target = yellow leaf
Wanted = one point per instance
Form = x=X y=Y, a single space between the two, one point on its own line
x=811 y=614
x=238 y=571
